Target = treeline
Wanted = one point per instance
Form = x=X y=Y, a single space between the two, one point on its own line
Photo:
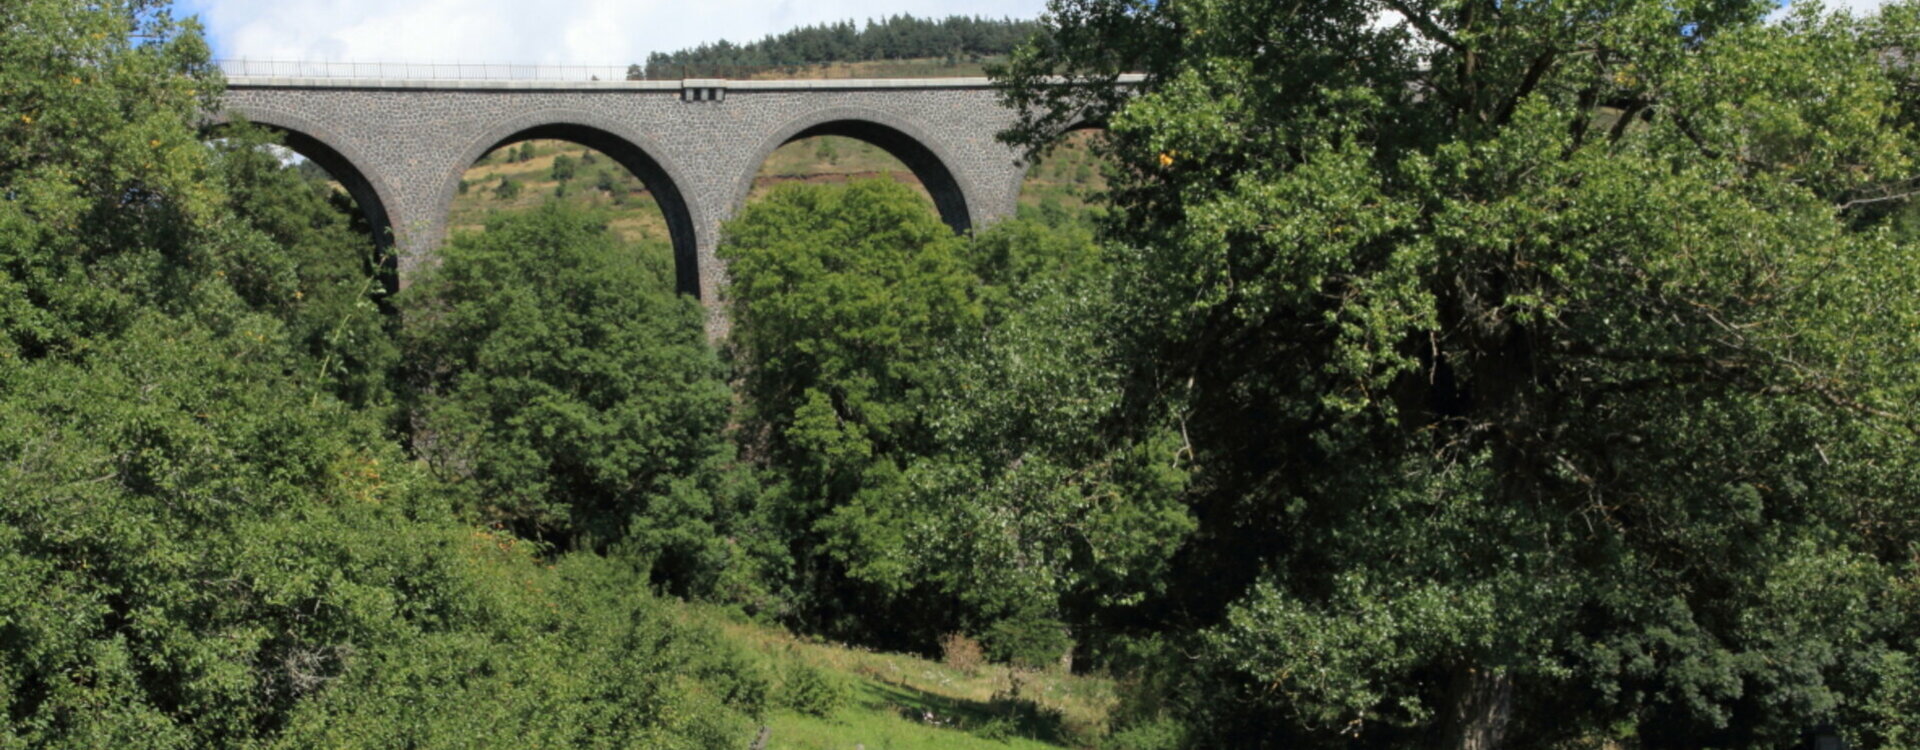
x=901 y=37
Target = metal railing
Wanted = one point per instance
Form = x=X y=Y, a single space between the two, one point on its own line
x=512 y=72
x=423 y=71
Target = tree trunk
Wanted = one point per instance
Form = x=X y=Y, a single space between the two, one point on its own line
x=1482 y=702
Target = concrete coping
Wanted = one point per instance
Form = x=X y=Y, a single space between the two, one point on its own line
x=825 y=84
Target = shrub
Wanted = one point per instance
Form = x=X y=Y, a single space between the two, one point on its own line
x=814 y=691
x=1159 y=734
x=962 y=653
x=564 y=167
x=1031 y=642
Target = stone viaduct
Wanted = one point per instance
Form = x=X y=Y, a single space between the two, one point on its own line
x=401 y=146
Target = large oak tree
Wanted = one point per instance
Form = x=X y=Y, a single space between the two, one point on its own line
x=1550 y=366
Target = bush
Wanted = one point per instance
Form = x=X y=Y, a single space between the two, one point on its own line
x=813 y=691
x=564 y=167
x=962 y=653
x=507 y=190
x=1030 y=642
x=1159 y=734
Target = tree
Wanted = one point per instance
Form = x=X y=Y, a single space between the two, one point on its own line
x=1541 y=362
x=209 y=539
x=839 y=296
x=319 y=271
x=568 y=385
x=1039 y=523
x=564 y=167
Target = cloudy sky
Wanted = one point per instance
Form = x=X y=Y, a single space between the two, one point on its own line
x=569 y=32
x=553 y=32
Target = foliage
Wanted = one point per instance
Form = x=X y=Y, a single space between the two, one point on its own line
x=813 y=691
x=891 y=38
x=962 y=653
x=1545 y=366
x=315 y=268
x=935 y=408
x=571 y=393
x=839 y=296
x=564 y=167
x=209 y=538
x=507 y=190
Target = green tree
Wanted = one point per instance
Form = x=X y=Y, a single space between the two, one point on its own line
x=1542 y=363
x=839 y=296
x=208 y=540
x=569 y=387
x=935 y=408
x=564 y=167
x=317 y=268
x=1023 y=507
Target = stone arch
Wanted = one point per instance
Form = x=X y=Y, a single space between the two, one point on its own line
x=637 y=153
x=369 y=189
x=1024 y=166
x=923 y=155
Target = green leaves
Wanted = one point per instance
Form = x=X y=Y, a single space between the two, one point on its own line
x=942 y=410
x=1562 y=309
x=565 y=382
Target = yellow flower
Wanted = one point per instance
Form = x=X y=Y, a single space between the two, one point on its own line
x=1166 y=159
x=28 y=119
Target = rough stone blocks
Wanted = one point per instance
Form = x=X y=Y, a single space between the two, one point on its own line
x=402 y=146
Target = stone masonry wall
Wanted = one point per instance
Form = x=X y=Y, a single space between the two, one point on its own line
x=410 y=142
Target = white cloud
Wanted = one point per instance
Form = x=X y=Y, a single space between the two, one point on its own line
x=1857 y=7
x=554 y=32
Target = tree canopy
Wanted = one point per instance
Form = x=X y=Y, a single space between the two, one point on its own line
x=1548 y=366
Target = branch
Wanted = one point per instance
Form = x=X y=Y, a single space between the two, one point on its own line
x=1686 y=128
x=1425 y=25
x=1527 y=85
x=1881 y=199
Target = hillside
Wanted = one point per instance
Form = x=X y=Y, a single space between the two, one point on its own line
x=1062 y=184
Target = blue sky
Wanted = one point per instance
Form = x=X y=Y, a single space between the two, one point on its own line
x=570 y=32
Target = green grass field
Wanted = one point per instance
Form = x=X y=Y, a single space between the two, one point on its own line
x=906 y=702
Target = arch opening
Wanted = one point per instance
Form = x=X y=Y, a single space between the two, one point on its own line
x=832 y=159
x=581 y=163
x=926 y=167
x=322 y=163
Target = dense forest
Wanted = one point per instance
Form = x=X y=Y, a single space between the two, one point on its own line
x=1499 y=376
x=901 y=37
